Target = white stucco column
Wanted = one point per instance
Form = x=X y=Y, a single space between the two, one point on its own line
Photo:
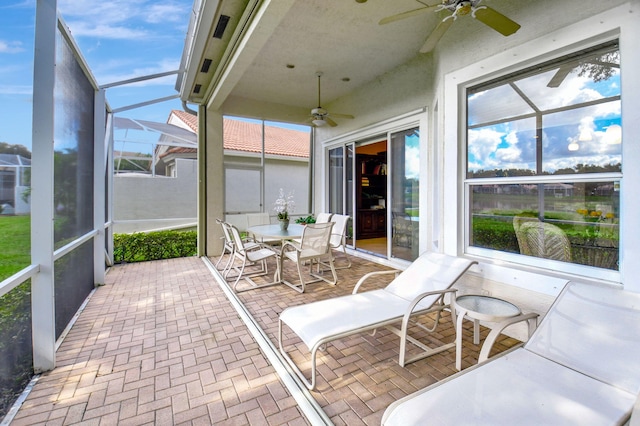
x=211 y=179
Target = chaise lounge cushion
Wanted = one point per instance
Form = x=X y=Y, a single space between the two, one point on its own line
x=519 y=388
x=316 y=320
x=581 y=366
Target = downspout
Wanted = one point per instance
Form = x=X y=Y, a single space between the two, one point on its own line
x=188 y=110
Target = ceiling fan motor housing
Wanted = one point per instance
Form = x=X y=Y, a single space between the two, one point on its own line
x=319 y=111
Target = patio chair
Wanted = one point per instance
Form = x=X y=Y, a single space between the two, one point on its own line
x=323 y=217
x=312 y=249
x=420 y=289
x=338 y=239
x=229 y=247
x=254 y=219
x=581 y=366
x=252 y=255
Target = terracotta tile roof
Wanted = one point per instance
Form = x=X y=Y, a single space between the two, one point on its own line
x=246 y=136
x=189 y=119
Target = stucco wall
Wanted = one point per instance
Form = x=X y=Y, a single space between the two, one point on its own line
x=548 y=28
x=155 y=202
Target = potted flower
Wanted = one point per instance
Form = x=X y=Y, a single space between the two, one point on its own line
x=283 y=206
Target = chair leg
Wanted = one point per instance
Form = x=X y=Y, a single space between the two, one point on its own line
x=310 y=384
x=300 y=275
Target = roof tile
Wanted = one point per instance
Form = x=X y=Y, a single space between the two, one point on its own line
x=246 y=136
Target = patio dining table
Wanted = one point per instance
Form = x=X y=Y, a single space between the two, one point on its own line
x=273 y=231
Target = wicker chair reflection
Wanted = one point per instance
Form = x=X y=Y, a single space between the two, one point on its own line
x=402 y=229
x=542 y=239
x=518 y=221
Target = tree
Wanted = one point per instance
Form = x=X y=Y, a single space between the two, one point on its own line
x=6 y=148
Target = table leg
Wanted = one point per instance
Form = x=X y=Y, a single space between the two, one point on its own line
x=459 y=320
x=476 y=332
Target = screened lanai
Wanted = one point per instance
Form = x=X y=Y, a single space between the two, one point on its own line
x=264 y=66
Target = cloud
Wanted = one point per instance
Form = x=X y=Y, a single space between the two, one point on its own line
x=412 y=162
x=8 y=89
x=11 y=46
x=122 y=19
x=114 y=32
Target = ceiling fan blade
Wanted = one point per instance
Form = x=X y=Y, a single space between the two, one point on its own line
x=496 y=20
x=405 y=15
x=436 y=35
x=342 y=116
x=560 y=75
x=330 y=122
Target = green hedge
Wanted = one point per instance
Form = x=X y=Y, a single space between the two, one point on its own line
x=494 y=234
x=141 y=247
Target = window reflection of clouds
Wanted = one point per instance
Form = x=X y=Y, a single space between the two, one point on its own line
x=496 y=104
x=412 y=156
x=503 y=146
x=511 y=144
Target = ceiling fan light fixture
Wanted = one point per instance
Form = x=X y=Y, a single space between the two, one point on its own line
x=463 y=8
x=319 y=122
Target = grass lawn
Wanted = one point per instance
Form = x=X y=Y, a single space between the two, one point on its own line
x=15 y=244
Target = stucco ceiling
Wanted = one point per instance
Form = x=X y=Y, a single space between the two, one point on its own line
x=341 y=38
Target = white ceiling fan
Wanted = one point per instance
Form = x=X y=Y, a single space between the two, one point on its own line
x=319 y=116
x=484 y=14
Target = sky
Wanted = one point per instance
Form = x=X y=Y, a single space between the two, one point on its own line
x=119 y=40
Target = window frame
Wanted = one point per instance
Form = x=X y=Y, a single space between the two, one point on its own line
x=468 y=181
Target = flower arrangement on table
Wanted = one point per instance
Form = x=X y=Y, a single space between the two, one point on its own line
x=284 y=205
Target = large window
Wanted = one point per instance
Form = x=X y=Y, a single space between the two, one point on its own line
x=544 y=161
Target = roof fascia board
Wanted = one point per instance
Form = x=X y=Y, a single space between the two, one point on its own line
x=197 y=43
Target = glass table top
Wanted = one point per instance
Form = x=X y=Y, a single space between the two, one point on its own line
x=490 y=308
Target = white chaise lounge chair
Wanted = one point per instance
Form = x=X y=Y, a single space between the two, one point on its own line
x=581 y=366
x=419 y=289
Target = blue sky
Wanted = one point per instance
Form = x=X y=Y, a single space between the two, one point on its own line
x=119 y=39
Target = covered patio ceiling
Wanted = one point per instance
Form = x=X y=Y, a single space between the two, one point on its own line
x=265 y=64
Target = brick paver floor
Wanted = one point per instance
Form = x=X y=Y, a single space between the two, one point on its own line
x=359 y=376
x=160 y=343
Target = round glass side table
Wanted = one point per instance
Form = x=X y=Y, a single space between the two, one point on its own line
x=479 y=308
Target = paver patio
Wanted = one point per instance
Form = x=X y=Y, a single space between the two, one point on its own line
x=160 y=343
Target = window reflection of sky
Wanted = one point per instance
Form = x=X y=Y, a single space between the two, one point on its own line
x=412 y=155
x=511 y=144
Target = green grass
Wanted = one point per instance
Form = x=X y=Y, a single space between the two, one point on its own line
x=15 y=244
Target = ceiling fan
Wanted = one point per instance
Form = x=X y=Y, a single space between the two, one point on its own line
x=319 y=116
x=484 y=14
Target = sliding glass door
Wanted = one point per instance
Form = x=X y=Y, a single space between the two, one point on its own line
x=377 y=185
x=341 y=185
x=405 y=193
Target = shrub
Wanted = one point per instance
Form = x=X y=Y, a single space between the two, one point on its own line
x=141 y=247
